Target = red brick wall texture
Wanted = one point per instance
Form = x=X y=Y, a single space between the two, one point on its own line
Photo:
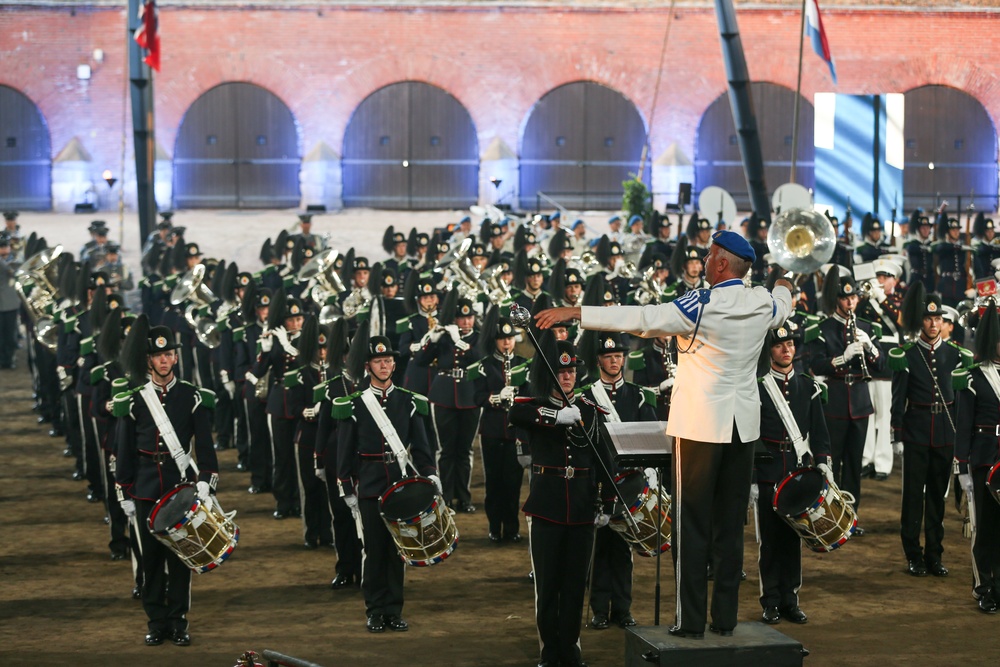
x=497 y=61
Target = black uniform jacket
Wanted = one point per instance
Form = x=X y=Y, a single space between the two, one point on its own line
x=446 y=390
x=978 y=442
x=365 y=463
x=804 y=396
x=488 y=382
x=418 y=376
x=326 y=432
x=278 y=361
x=919 y=400
x=847 y=401
x=565 y=469
x=145 y=469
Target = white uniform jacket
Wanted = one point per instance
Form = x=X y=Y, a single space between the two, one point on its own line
x=717 y=377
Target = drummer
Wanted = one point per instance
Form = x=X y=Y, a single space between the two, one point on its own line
x=146 y=469
x=368 y=464
x=780 y=558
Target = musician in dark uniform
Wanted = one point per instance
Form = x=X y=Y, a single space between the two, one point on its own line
x=529 y=281
x=562 y=498
x=757 y=229
x=611 y=583
x=780 y=558
x=919 y=251
x=278 y=355
x=255 y=309
x=843 y=354
x=688 y=267
x=923 y=416
x=843 y=251
x=873 y=245
x=976 y=451
x=146 y=471
x=367 y=466
x=985 y=245
x=498 y=377
x=950 y=255
x=654 y=365
x=662 y=243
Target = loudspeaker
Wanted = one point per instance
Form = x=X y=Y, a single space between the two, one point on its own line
x=684 y=194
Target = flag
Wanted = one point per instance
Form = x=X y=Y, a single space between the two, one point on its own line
x=148 y=34
x=817 y=35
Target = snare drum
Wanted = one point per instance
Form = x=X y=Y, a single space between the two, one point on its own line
x=649 y=529
x=421 y=524
x=818 y=511
x=993 y=481
x=201 y=538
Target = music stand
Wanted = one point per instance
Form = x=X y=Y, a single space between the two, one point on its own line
x=644 y=445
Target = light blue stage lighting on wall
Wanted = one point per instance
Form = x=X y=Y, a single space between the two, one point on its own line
x=859 y=154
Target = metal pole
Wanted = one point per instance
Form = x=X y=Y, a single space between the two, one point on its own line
x=798 y=96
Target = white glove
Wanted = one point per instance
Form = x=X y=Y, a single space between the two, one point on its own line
x=568 y=415
x=265 y=343
x=666 y=384
x=321 y=473
x=453 y=331
x=434 y=335
x=826 y=470
x=754 y=494
x=415 y=347
x=601 y=520
x=524 y=460
x=652 y=478
x=864 y=339
x=437 y=484
x=109 y=406
x=855 y=349
x=965 y=481
x=205 y=494
x=230 y=388
x=508 y=393
x=970 y=293
x=65 y=381
x=310 y=413
x=128 y=506
x=352 y=502
x=897 y=448
x=878 y=293
x=251 y=378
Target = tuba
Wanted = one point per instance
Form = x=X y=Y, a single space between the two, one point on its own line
x=192 y=290
x=498 y=291
x=35 y=282
x=586 y=264
x=323 y=284
x=801 y=240
x=647 y=290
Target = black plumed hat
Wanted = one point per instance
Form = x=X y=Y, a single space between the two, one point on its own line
x=988 y=334
x=276 y=311
x=308 y=341
x=337 y=345
x=133 y=357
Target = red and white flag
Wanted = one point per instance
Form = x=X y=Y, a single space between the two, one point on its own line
x=148 y=34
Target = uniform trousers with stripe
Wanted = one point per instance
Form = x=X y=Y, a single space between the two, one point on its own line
x=560 y=559
x=283 y=480
x=455 y=430
x=986 y=540
x=780 y=555
x=503 y=476
x=847 y=445
x=166 y=591
x=926 y=473
x=711 y=483
x=317 y=524
x=382 y=577
x=259 y=455
x=611 y=583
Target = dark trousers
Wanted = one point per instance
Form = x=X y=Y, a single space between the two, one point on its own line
x=259 y=455
x=847 y=445
x=317 y=525
x=455 y=429
x=986 y=540
x=93 y=460
x=926 y=471
x=223 y=417
x=166 y=591
x=711 y=483
x=382 y=580
x=283 y=484
x=503 y=485
x=8 y=338
x=560 y=559
x=345 y=529
x=611 y=582
x=71 y=423
x=242 y=429
x=780 y=555
x=49 y=394
x=117 y=521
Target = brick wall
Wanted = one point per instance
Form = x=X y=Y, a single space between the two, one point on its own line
x=496 y=61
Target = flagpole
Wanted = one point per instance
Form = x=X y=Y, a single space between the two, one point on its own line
x=798 y=96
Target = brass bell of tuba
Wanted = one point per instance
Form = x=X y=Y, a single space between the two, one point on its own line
x=800 y=240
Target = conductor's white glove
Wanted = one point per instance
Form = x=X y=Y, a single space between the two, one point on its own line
x=965 y=481
x=827 y=471
x=601 y=520
x=568 y=415
x=878 y=292
x=128 y=506
x=652 y=478
x=205 y=494
x=251 y=378
x=754 y=494
x=265 y=343
x=321 y=473
x=437 y=484
x=666 y=384
x=352 y=502
x=855 y=349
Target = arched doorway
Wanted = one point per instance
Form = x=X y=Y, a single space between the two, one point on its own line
x=950 y=129
x=25 y=154
x=237 y=147
x=580 y=142
x=717 y=152
x=410 y=145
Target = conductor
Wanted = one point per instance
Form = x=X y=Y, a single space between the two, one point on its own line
x=714 y=418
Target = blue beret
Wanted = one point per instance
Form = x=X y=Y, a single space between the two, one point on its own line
x=576 y=223
x=735 y=244
x=614 y=218
x=555 y=215
x=634 y=219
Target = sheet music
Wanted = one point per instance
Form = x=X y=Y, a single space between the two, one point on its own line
x=640 y=443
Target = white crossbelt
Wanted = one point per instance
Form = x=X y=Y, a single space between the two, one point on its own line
x=787 y=418
x=152 y=399
x=388 y=430
x=603 y=400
